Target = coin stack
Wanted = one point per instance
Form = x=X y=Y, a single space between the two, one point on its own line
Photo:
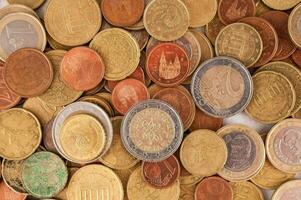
x=150 y=99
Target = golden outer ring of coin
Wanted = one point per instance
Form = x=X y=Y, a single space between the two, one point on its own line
x=15 y=8
x=100 y=132
x=207 y=133
x=251 y=185
x=39 y=131
x=270 y=144
x=100 y=102
x=29 y=19
x=258 y=163
x=241 y=24
x=135 y=47
x=292 y=29
x=281 y=5
x=33 y=4
x=249 y=113
x=284 y=187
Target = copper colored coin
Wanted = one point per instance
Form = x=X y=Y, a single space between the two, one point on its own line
x=7 y=194
x=82 y=68
x=269 y=38
x=28 y=72
x=279 y=21
x=167 y=64
x=213 y=188
x=230 y=11
x=128 y=93
x=297 y=57
x=204 y=121
x=122 y=12
x=161 y=174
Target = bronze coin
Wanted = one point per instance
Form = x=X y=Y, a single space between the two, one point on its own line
x=28 y=72
x=7 y=194
x=230 y=11
x=269 y=38
x=82 y=68
x=213 y=188
x=213 y=28
x=279 y=21
x=122 y=12
x=204 y=121
x=297 y=57
x=161 y=174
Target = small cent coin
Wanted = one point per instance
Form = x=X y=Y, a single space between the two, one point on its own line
x=161 y=174
x=213 y=188
x=203 y=153
x=127 y=93
x=44 y=174
x=246 y=190
x=28 y=72
x=94 y=181
x=20 y=30
x=246 y=152
x=122 y=13
x=283 y=145
x=204 y=121
x=230 y=11
x=240 y=41
x=281 y=5
x=82 y=68
x=30 y=3
x=152 y=131
x=294 y=28
x=274 y=97
x=171 y=24
x=20 y=134
x=288 y=191
x=167 y=64
x=7 y=194
x=222 y=87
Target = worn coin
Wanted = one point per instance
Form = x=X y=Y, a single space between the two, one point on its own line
x=281 y=5
x=294 y=25
x=213 y=28
x=30 y=3
x=246 y=190
x=206 y=47
x=7 y=194
x=288 y=191
x=261 y=8
x=141 y=36
x=152 y=130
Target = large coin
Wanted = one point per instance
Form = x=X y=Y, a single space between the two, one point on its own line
x=222 y=87
x=281 y=5
x=246 y=190
x=246 y=153
x=294 y=28
x=240 y=41
x=288 y=191
x=152 y=130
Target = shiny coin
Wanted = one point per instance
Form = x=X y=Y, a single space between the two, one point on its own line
x=271 y=89
x=20 y=134
x=240 y=41
x=44 y=175
x=288 y=191
x=294 y=27
x=152 y=131
x=171 y=24
x=20 y=30
x=246 y=190
x=222 y=87
x=30 y=3
x=207 y=145
x=16 y=8
x=7 y=194
x=283 y=145
x=281 y=5
x=246 y=153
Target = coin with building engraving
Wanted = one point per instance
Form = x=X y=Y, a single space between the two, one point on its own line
x=222 y=87
x=152 y=131
x=288 y=191
x=240 y=41
x=246 y=152
x=274 y=97
x=281 y=5
x=7 y=194
x=294 y=25
x=95 y=182
x=246 y=190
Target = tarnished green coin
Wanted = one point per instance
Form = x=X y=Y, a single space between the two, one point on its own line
x=44 y=175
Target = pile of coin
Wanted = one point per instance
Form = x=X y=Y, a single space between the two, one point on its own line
x=150 y=99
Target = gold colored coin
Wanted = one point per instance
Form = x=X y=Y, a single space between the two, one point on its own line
x=294 y=25
x=33 y=4
x=43 y=111
x=72 y=23
x=297 y=115
x=187 y=192
x=288 y=191
x=213 y=28
x=119 y=50
x=100 y=102
x=261 y=8
x=14 y=8
x=283 y=145
x=270 y=177
x=273 y=99
x=280 y=4
x=203 y=153
x=201 y=12
x=55 y=45
x=58 y=94
x=138 y=189
x=292 y=73
x=95 y=182
x=171 y=24
x=246 y=153
x=153 y=89
x=206 y=47
x=117 y=157
x=20 y=134
x=240 y=41
x=82 y=137
x=246 y=190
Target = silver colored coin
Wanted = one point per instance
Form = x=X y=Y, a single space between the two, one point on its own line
x=152 y=131
x=222 y=87
x=82 y=108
